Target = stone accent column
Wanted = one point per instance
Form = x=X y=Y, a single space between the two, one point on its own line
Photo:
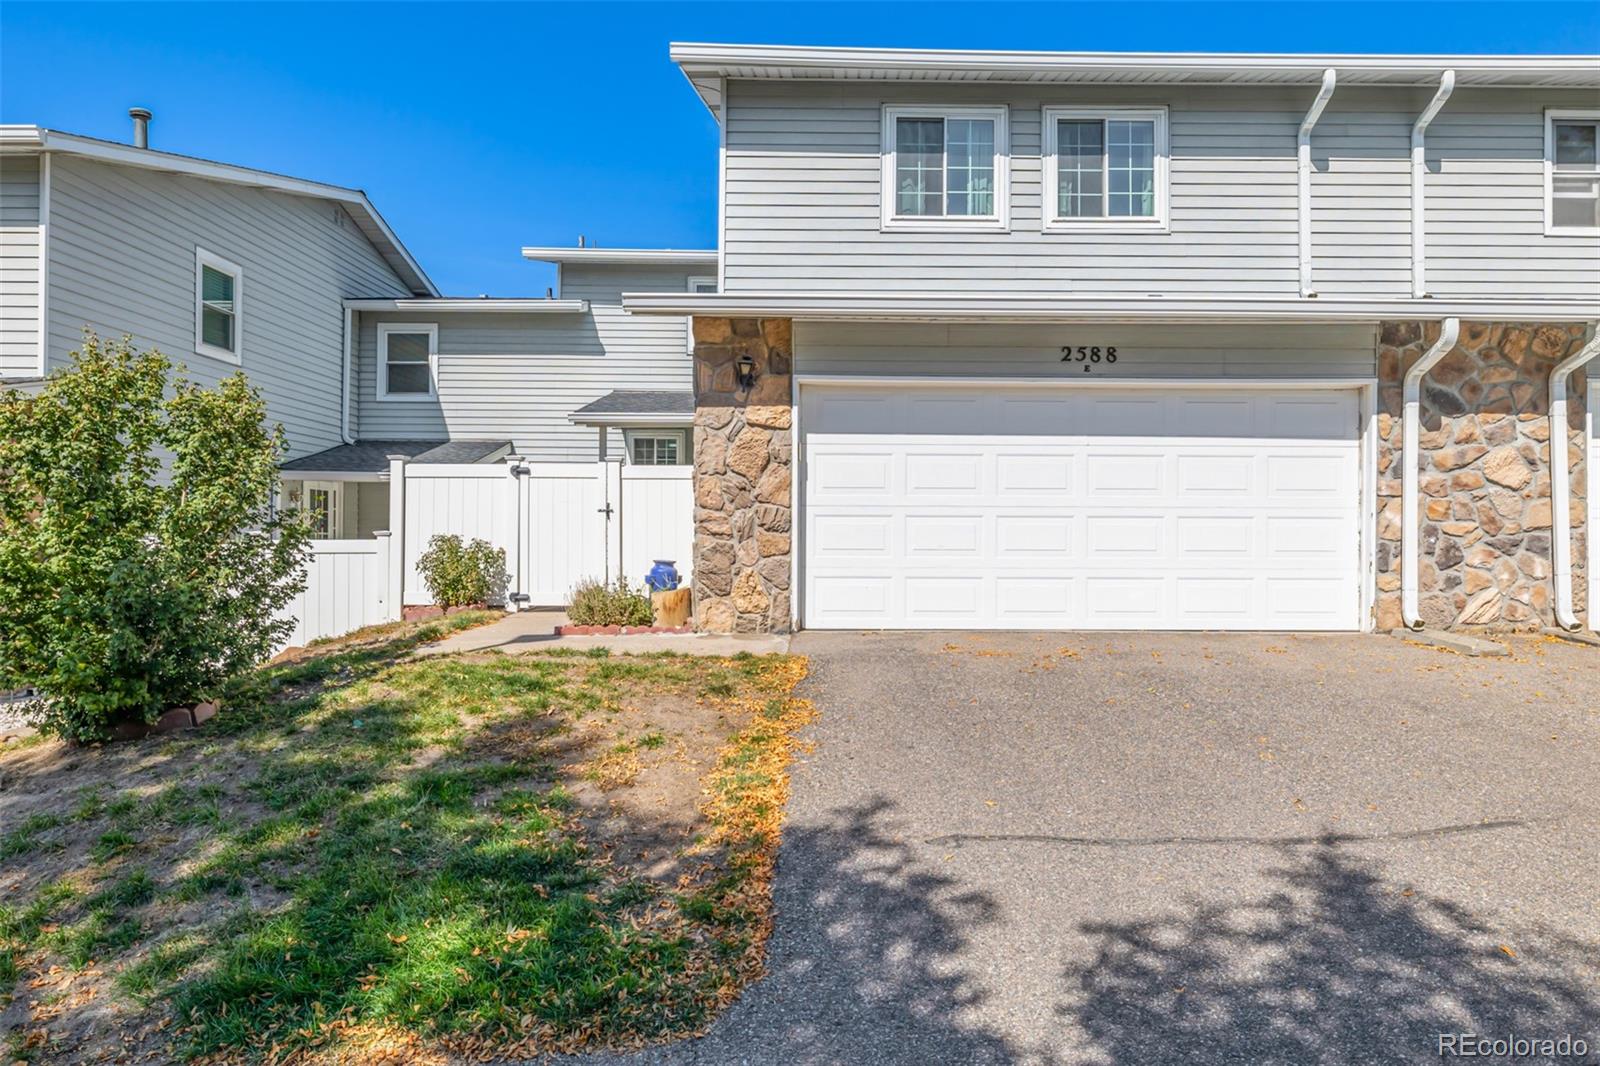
x=1484 y=554
x=742 y=467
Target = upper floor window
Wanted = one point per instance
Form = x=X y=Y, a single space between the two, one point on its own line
x=218 y=297
x=1572 y=171
x=706 y=284
x=408 y=356
x=1105 y=168
x=945 y=168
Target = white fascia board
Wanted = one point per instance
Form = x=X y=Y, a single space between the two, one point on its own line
x=934 y=307
x=621 y=255
x=21 y=138
x=632 y=419
x=150 y=159
x=528 y=306
x=769 y=61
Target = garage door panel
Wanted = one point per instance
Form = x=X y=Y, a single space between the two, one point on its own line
x=939 y=474
x=1115 y=475
x=1122 y=536
x=1027 y=537
x=958 y=536
x=1234 y=512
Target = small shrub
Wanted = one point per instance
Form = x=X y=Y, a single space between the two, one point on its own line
x=595 y=603
x=458 y=574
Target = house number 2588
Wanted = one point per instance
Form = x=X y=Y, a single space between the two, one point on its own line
x=1088 y=355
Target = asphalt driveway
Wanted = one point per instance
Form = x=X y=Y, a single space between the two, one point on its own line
x=1180 y=849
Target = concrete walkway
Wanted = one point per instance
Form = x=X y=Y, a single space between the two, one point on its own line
x=527 y=631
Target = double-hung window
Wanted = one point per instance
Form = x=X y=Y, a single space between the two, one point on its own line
x=1105 y=168
x=945 y=168
x=1572 y=172
x=408 y=358
x=218 y=303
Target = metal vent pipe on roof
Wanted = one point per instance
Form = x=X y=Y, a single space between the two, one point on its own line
x=141 y=126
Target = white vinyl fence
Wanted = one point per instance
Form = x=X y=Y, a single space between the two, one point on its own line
x=558 y=523
x=347 y=587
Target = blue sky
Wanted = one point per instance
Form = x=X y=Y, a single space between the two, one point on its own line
x=478 y=128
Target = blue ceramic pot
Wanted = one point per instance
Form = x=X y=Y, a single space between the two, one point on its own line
x=663 y=577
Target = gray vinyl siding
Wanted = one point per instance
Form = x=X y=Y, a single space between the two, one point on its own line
x=122 y=260
x=1485 y=214
x=803 y=196
x=1287 y=351
x=517 y=377
x=19 y=265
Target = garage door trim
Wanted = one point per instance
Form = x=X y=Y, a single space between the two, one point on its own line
x=1366 y=389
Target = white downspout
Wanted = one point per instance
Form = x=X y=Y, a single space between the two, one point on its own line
x=344 y=377
x=1410 y=447
x=1303 y=151
x=1419 y=174
x=1560 y=483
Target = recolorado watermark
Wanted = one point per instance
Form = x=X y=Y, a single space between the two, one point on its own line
x=1478 y=1046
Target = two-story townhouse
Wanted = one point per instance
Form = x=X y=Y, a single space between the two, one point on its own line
x=1059 y=340
x=304 y=287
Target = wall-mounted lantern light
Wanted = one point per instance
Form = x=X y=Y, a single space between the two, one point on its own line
x=744 y=368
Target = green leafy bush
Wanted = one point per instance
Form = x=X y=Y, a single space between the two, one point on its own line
x=141 y=562
x=458 y=574
x=595 y=603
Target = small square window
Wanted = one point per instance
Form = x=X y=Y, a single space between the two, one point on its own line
x=655 y=449
x=945 y=167
x=407 y=358
x=1572 y=171
x=218 y=298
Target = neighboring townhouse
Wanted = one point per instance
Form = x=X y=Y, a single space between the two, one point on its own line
x=1079 y=341
x=306 y=288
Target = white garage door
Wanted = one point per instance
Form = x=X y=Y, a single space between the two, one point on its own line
x=1004 y=508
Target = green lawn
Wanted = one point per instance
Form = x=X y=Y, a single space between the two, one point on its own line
x=367 y=850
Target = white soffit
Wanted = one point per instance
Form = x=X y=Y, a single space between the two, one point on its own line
x=956 y=307
x=707 y=65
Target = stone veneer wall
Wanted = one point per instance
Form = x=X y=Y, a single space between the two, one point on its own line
x=742 y=467
x=1485 y=474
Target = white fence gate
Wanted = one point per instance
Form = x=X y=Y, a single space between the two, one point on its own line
x=558 y=523
x=347 y=587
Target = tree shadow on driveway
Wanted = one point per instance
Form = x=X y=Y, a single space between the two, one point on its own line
x=1334 y=966
x=864 y=965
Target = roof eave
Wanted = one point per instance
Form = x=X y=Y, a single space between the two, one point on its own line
x=632 y=419
x=470 y=304
x=946 y=307
x=620 y=255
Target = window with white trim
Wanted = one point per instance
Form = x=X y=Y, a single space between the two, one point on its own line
x=1572 y=171
x=1105 y=168
x=655 y=447
x=218 y=300
x=706 y=284
x=408 y=358
x=945 y=167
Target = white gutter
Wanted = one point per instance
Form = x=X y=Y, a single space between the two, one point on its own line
x=344 y=377
x=1410 y=447
x=621 y=255
x=1303 y=150
x=1419 y=174
x=506 y=305
x=961 y=307
x=1561 y=487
